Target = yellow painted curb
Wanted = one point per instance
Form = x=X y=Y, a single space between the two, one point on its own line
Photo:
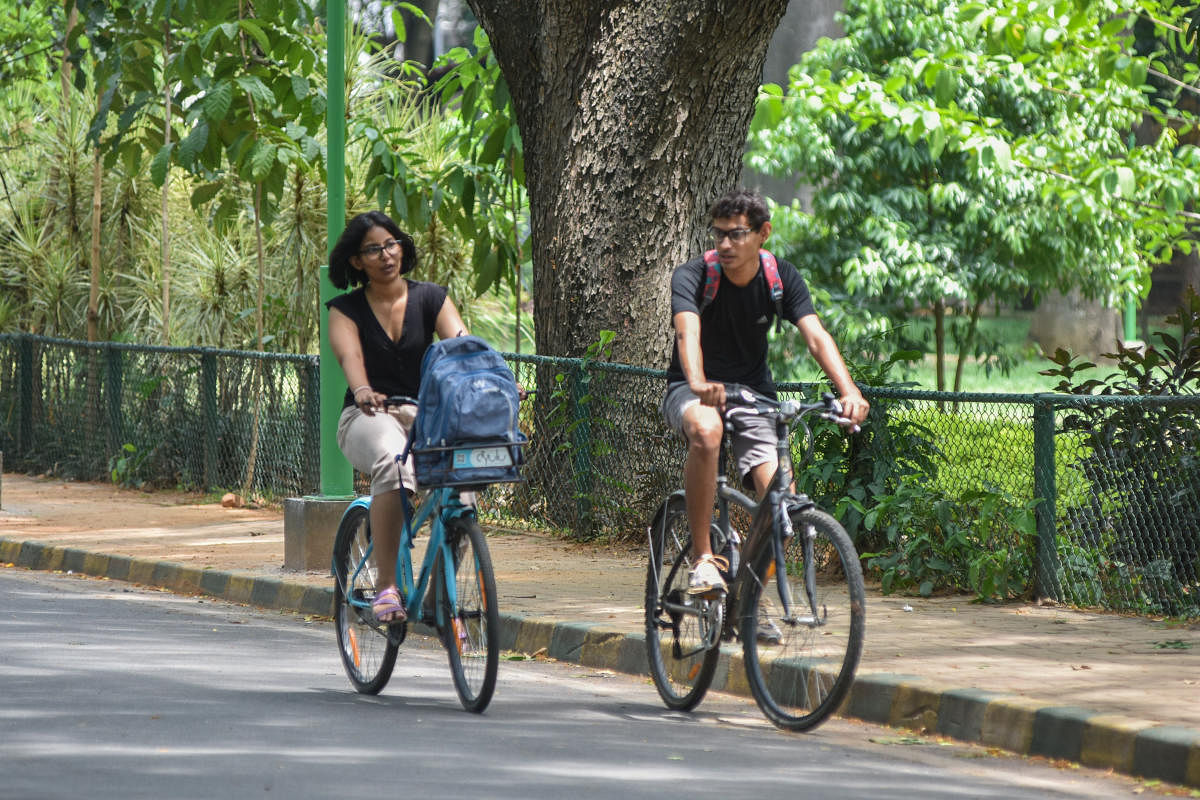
x=1008 y=723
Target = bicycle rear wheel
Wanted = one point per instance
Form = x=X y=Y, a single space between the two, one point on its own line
x=368 y=649
x=472 y=635
x=682 y=659
x=800 y=665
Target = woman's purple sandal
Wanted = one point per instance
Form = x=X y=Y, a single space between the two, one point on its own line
x=388 y=607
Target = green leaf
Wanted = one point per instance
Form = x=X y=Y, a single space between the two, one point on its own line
x=256 y=90
x=204 y=193
x=1126 y=183
x=194 y=144
x=398 y=24
x=161 y=164
x=468 y=196
x=252 y=27
x=300 y=86
x=997 y=152
x=218 y=100
x=494 y=145
x=1139 y=70
x=501 y=98
x=260 y=160
x=946 y=87
x=487 y=273
x=937 y=143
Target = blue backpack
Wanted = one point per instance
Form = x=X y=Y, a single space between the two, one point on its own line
x=466 y=433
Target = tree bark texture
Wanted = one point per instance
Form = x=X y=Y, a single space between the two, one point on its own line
x=633 y=115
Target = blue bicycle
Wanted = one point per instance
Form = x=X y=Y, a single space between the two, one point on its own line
x=455 y=593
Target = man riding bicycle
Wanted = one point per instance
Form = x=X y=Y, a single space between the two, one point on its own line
x=723 y=339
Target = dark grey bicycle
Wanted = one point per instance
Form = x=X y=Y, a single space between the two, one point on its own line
x=795 y=598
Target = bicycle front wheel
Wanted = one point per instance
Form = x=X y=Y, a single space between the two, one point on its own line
x=800 y=662
x=682 y=658
x=368 y=649
x=472 y=635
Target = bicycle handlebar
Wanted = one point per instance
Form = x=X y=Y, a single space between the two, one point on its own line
x=746 y=400
x=400 y=400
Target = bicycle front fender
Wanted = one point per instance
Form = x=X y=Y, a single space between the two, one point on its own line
x=359 y=502
x=675 y=497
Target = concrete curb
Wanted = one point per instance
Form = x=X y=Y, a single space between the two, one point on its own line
x=1027 y=726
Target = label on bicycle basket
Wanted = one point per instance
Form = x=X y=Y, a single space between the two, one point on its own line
x=473 y=457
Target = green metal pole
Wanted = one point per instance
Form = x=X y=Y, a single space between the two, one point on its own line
x=208 y=412
x=336 y=476
x=1130 y=320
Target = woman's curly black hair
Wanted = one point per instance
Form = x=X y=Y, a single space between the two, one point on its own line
x=342 y=273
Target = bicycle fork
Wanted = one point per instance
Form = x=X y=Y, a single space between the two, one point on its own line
x=814 y=618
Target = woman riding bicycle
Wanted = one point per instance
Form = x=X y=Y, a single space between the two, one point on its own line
x=379 y=333
x=723 y=339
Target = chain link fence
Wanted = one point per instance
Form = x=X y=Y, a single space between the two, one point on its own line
x=191 y=418
x=1090 y=501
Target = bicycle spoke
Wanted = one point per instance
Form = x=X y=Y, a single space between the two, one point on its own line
x=681 y=650
x=368 y=649
x=472 y=637
x=800 y=665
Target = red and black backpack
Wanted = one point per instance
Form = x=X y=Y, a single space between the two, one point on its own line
x=712 y=280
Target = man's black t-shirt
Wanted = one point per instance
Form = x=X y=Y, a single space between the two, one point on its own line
x=394 y=367
x=733 y=329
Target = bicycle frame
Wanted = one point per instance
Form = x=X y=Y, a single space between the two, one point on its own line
x=440 y=506
x=770 y=521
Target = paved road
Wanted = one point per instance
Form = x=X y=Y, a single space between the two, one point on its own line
x=109 y=691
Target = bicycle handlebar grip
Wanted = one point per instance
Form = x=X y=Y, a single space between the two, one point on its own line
x=400 y=400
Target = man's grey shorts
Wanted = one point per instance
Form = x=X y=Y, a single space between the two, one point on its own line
x=753 y=437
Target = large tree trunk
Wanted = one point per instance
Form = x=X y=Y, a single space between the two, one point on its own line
x=419 y=45
x=634 y=118
x=633 y=115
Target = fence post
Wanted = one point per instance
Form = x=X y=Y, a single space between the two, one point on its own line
x=1046 y=553
x=208 y=414
x=25 y=389
x=310 y=453
x=581 y=440
x=114 y=381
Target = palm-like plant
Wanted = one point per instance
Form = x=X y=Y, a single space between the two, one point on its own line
x=216 y=286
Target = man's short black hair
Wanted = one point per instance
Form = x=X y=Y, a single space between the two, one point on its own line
x=741 y=201
x=342 y=273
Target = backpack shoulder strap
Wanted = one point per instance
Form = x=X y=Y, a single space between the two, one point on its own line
x=712 y=281
x=774 y=283
x=712 y=278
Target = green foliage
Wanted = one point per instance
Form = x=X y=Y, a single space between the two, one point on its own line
x=901 y=497
x=967 y=152
x=849 y=474
x=125 y=468
x=1140 y=522
x=976 y=542
x=247 y=109
x=29 y=40
x=456 y=164
x=241 y=98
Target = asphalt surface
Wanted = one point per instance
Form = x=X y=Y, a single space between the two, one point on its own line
x=1104 y=690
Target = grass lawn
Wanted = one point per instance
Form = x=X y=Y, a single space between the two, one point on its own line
x=1012 y=329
